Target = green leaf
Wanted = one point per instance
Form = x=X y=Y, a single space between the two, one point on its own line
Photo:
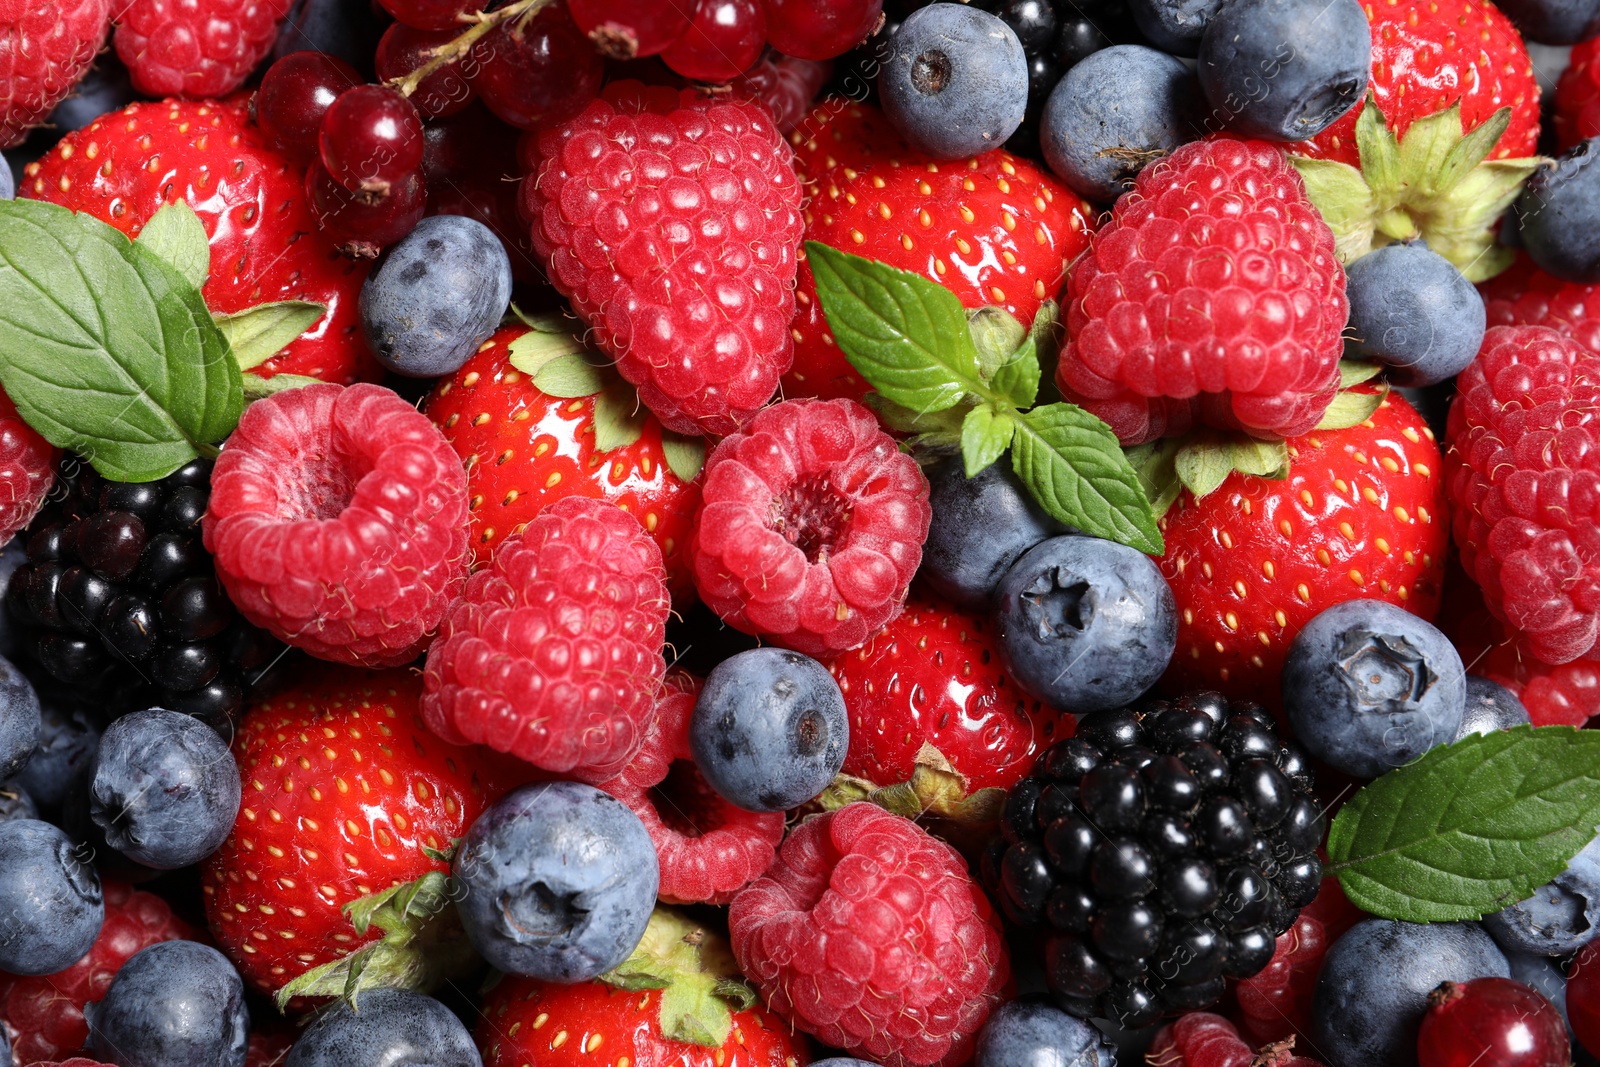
x=1204 y=464
x=257 y=334
x=684 y=455
x=1155 y=464
x=106 y=349
x=530 y=351
x=985 y=435
x=1376 y=147
x=618 y=417
x=1471 y=827
x=906 y=335
x=945 y=425
x=695 y=972
x=569 y=376
x=1345 y=200
x=1264 y=459
x=1071 y=463
x=1355 y=371
x=1046 y=333
x=1351 y=408
x=176 y=234
x=1018 y=380
x=996 y=335
x=256 y=387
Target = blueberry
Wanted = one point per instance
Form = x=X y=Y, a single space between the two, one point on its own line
x=8 y=181
x=1174 y=26
x=51 y=907
x=1029 y=1033
x=769 y=730
x=436 y=296
x=164 y=788
x=1370 y=687
x=15 y=803
x=68 y=738
x=1554 y=21
x=955 y=82
x=1558 y=215
x=105 y=88
x=1375 y=982
x=1116 y=111
x=387 y=1026
x=175 y=1002
x=1285 y=70
x=21 y=727
x=1543 y=975
x=558 y=880
x=1085 y=624
x=1414 y=312
x=981 y=525
x=1490 y=707
x=1560 y=917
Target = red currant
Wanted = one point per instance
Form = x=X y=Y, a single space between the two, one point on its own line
x=724 y=41
x=431 y=14
x=627 y=29
x=295 y=94
x=785 y=84
x=403 y=49
x=363 y=227
x=1491 y=1022
x=371 y=138
x=1583 y=997
x=537 y=70
x=820 y=29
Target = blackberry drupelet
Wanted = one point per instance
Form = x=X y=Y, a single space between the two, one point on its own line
x=119 y=597
x=1159 y=851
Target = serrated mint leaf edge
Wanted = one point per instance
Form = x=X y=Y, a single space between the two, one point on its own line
x=1076 y=497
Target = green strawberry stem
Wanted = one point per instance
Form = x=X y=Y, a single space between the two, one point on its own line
x=696 y=973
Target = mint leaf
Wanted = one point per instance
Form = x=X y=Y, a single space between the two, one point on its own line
x=1071 y=463
x=985 y=435
x=176 y=234
x=684 y=455
x=1018 y=380
x=1470 y=827
x=906 y=335
x=257 y=334
x=1155 y=465
x=105 y=348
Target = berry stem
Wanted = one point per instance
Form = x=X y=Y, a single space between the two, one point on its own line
x=453 y=50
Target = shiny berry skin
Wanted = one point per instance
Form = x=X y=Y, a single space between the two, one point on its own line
x=1491 y=1022
x=535 y=73
x=195 y=50
x=371 y=139
x=27 y=469
x=820 y=29
x=295 y=94
x=362 y=229
x=431 y=14
x=631 y=29
x=724 y=41
x=1577 y=112
x=402 y=49
x=49 y=46
x=1583 y=997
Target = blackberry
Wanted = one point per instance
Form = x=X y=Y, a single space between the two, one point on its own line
x=119 y=598
x=1158 y=852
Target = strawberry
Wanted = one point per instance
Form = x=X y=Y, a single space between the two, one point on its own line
x=930 y=707
x=1446 y=75
x=995 y=229
x=1361 y=513
x=677 y=1001
x=349 y=805
x=524 y=448
x=265 y=245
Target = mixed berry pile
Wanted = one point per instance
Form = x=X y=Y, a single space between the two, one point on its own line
x=754 y=533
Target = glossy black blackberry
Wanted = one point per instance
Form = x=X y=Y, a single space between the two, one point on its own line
x=119 y=597
x=1156 y=853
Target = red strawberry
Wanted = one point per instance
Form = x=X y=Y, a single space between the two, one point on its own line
x=1362 y=513
x=995 y=229
x=929 y=705
x=347 y=794
x=265 y=246
x=44 y=1015
x=524 y=449
x=45 y=48
x=677 y=1002
x=1577 y=115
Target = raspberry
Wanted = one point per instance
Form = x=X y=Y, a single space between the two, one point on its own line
x=1577 y=111
x=196 y=48
x=868 y=933
x=1524 y=501
x=672 y=222
x=27 y=470
x=1276 y=1003
x=708 y=849
x=1201 y=1039
x=338 y=519
x=810 y=527
x=1156 y=852
x=785 y=84
x=1212 y=296
x=44 y=1015
x=553 y=652
x=45 y=47
x=1527 y=296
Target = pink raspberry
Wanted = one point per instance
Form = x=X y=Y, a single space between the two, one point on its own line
x=27 y=470
x=195 y=48
x=553 y=653
x=1212 y=297
x=810 y=527
x=45 y=47
x=868 y=933
x=1527 y=296
x=786 y=84
x=1203 y=1039
x=672 y=219
x=708 y=849
x=338 y=519
x=1524 y=488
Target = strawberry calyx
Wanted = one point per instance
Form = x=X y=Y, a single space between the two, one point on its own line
x=696 y=973
x=934 y=788
x=423 y=944
x=1436 y=183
